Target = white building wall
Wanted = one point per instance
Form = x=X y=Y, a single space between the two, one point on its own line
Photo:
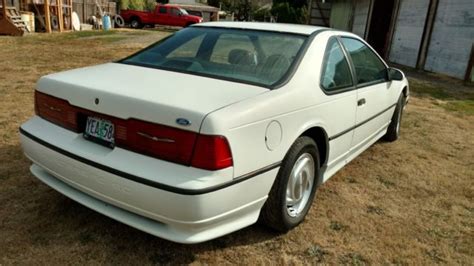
x=361 y=14
x=452 y=38
x=408 y=32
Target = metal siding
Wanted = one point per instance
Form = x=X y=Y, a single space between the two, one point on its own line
x=452 y=38
x=409 y=32
x=361 y=14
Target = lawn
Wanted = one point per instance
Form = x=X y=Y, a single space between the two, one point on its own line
x=407 y=202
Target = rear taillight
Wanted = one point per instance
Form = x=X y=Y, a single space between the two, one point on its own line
x=159 y=141
x=171 y=144
x=212 y=153
x=56 y=110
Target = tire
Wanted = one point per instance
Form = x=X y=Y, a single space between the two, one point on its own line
x=278 y=212
x=119 y=21
x=54 y=23
x=393 y=130
x=135 y=23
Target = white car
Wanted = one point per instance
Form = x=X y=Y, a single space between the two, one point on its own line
x=217 y=126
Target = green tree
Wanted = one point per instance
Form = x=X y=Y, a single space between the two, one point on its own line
x=136 y=4
x=290 y=11
x=215 y=3
x=150 y=5
x=124 y=4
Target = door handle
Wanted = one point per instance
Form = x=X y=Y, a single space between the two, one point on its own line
x=361 y=102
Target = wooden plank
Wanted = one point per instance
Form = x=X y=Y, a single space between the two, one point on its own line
x=409 y=27
x=4 y=5
x=469 y=71
x=70 y=14
x=47 y=16
x=40 y=17
x=425 y=41
x=326 y=22
x=60 y=15
x=8 y=28
x=396 y=9
x=369 y=19
x=84 y=12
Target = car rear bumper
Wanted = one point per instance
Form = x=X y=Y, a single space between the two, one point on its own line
x=195 y=209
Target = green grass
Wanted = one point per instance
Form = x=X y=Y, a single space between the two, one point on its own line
x=95 y=35
x=89 y=33
x=109 y=34
x=423 y=88
x=452 y=97
x=466 y=106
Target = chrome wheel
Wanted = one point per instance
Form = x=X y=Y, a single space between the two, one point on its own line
x=300 y=184
x=134 y=24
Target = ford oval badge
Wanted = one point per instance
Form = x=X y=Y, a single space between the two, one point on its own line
x=183 y=122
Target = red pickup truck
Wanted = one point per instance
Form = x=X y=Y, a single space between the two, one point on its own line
x=170 y=15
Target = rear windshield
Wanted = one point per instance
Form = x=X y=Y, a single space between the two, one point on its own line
x=256 y=57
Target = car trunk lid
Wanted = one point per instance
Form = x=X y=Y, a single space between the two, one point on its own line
x=152 y=95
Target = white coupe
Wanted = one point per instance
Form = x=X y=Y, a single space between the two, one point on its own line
x=214 y=127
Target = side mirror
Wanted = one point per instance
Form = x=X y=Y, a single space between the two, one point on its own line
x=395 y=74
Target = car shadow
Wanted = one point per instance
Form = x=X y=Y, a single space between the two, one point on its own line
x=118 y=238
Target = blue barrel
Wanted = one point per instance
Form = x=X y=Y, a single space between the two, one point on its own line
x=106 y=22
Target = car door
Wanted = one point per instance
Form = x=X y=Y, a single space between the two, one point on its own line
x=162 y=17
x=374 y=110
x=337 y=83
x=175 y=17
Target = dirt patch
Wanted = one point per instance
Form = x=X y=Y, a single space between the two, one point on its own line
x=408 y=202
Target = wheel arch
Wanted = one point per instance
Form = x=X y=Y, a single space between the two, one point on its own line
x=405 y=91
x=319 y=135
x=135 y=17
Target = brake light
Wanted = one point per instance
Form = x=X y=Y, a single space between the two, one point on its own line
x=56 y=110
x=212 y=153
x=171 y=144
x=159 y=141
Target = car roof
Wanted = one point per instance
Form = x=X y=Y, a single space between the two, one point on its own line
x=266 y=26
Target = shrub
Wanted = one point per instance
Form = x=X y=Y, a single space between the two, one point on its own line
x=287 y=13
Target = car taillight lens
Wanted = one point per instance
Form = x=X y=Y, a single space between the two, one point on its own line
x=56 y=110
x=171 y=144
x=159 y=141
x=212 y=153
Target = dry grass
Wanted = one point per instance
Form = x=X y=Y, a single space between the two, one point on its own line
x=408 y=202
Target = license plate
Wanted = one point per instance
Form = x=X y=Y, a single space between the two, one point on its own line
x=100 y=129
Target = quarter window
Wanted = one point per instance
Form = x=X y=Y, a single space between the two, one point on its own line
x=368 y=66
x=337 y=74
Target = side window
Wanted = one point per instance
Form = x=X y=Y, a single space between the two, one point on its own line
x=162 y=10
x=336 y=74
x=175 y=12
x=368 y=66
